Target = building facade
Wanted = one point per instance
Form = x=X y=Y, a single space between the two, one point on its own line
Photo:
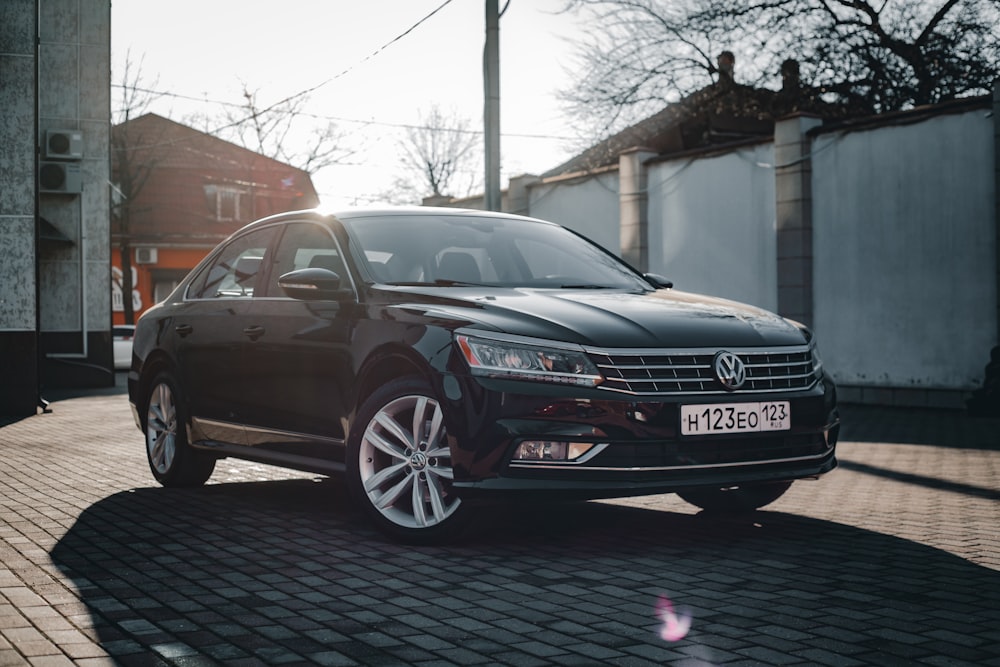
x=55 y=305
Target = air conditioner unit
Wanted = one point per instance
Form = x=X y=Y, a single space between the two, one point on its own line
x=145 y=255
x=63 y=145
x=62 y=177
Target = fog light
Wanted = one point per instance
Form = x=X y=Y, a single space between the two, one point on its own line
x=551 y=450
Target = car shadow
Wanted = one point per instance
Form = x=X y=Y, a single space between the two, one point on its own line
x=918 y=426
x=285 y=570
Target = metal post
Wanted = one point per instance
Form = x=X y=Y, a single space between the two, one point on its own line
x=491 y=113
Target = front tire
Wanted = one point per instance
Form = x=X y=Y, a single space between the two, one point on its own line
x=173 y=462
x=746 y=498
x=399 y=465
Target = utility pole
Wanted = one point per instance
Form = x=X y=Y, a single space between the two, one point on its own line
x=491 y=112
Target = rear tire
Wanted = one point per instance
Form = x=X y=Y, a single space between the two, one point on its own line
x=173 y=462
x=399 y=465
x=746 y=498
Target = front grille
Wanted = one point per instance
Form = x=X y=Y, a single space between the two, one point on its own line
x=690 y=371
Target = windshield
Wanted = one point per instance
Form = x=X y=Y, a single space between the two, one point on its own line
x=472 y=250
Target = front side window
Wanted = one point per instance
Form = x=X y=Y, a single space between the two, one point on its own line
x=235 y=270
x=305 y=245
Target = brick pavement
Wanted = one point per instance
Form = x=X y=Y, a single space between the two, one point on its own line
x=894 y=559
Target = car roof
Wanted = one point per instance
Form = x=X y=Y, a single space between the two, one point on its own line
x=425 y=211
x=321 y=214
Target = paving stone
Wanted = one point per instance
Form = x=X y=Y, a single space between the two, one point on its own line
x=892 y=559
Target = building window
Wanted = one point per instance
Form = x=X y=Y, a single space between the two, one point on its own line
x=228 y=202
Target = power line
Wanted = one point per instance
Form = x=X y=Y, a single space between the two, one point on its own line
x=312 y=89
x=371 y=55
x=340 y=119
x=307 y=91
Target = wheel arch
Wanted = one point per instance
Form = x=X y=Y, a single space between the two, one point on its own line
x=387 y=364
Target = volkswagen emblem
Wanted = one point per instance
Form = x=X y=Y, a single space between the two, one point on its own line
x=730 y=370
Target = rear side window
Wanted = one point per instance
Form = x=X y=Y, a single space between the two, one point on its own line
x=235 y=271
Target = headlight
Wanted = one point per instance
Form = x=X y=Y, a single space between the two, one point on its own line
x=524 y=361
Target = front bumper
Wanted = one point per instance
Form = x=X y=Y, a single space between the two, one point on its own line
x=644 y=451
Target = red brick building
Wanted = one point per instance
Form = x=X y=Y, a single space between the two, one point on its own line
x=181 y=192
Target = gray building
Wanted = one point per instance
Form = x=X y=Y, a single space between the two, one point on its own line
x=55 y=303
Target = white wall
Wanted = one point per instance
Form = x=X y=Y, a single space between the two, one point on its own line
x=905 y=243
x=712 y=224
x=587 y=205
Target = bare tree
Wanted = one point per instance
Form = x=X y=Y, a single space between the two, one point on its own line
x=130 y=167
x=440 y=156
x=873 y=56
x=284 y=131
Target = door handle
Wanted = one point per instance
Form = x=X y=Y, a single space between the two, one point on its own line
x=254 y=332
x=184 y=330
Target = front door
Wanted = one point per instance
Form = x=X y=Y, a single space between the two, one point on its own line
x=304 y=372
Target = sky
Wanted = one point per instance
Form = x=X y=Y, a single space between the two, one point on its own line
x=371 y=85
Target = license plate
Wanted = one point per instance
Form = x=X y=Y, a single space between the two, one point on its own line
x=718 y=418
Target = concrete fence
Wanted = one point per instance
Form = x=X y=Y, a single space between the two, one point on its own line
x=880 y=235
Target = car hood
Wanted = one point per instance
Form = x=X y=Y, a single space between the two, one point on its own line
x=605 y=318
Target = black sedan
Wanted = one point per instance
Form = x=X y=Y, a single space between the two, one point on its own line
x=440 y=359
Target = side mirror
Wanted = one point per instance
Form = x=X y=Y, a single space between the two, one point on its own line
x=658 y=281
x=312 y=285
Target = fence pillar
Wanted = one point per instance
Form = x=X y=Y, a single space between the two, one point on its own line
x=793 y=207
x=633 y=203
x=518 y=191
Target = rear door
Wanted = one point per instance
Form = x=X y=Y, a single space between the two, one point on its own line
x=211 y=334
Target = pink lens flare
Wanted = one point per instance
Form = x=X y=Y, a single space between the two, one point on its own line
x=675 y=624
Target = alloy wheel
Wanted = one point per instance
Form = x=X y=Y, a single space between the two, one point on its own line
x=161 y=428
x=405 y=463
